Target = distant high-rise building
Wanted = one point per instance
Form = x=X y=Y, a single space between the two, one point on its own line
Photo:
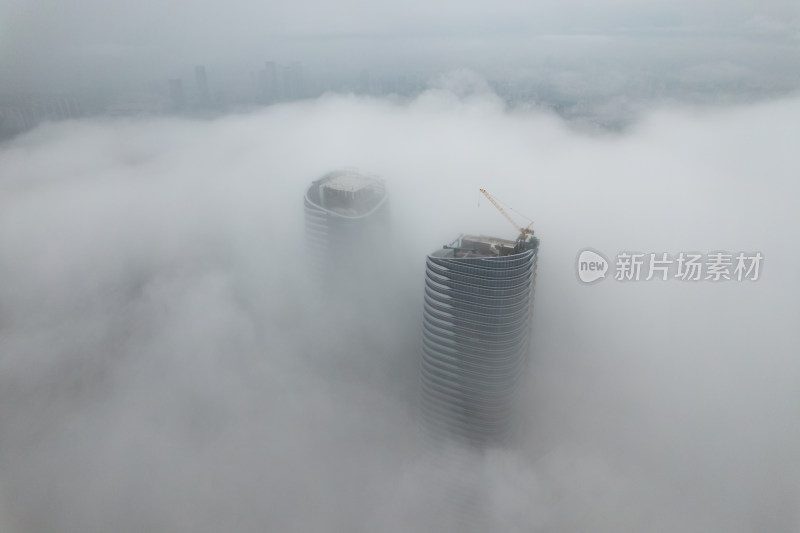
x=268 y=86
x=476 y=335
x=202 y=85
x=176 y=97
x=365 y=81
x=293 y=83
x=346 y=214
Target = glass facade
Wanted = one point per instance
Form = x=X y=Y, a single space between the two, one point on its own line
x=475 y=340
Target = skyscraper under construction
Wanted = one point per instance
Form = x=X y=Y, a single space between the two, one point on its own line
x=476 y=334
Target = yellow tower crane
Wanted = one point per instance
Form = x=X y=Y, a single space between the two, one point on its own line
x=523 y=232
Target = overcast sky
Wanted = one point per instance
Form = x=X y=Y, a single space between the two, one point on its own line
x=47 y=43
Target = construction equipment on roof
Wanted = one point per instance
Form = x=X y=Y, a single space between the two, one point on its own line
x=524 y=232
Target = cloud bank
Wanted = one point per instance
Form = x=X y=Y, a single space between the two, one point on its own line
x=167 y=361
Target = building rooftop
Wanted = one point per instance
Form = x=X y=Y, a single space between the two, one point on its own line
x=348 y=182
x=347 y=193
x=478 y=246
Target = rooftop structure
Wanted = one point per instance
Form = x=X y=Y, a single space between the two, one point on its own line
x=346 y=193
x=480 y=246
x=345 y=213
x=476 y=334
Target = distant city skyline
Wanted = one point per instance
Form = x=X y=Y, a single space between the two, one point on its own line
x=93 y=44
x=591 y=91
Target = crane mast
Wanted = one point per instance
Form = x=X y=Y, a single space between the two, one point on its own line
x=523 y=232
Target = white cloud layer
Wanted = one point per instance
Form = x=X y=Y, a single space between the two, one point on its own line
x=167 y=365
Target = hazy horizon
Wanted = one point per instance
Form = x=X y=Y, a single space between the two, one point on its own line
x=52 y=46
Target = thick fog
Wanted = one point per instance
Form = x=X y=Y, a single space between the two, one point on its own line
x=168 y=362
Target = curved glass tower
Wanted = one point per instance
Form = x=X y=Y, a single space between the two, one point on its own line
x=476 y=334
x=346 y=212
